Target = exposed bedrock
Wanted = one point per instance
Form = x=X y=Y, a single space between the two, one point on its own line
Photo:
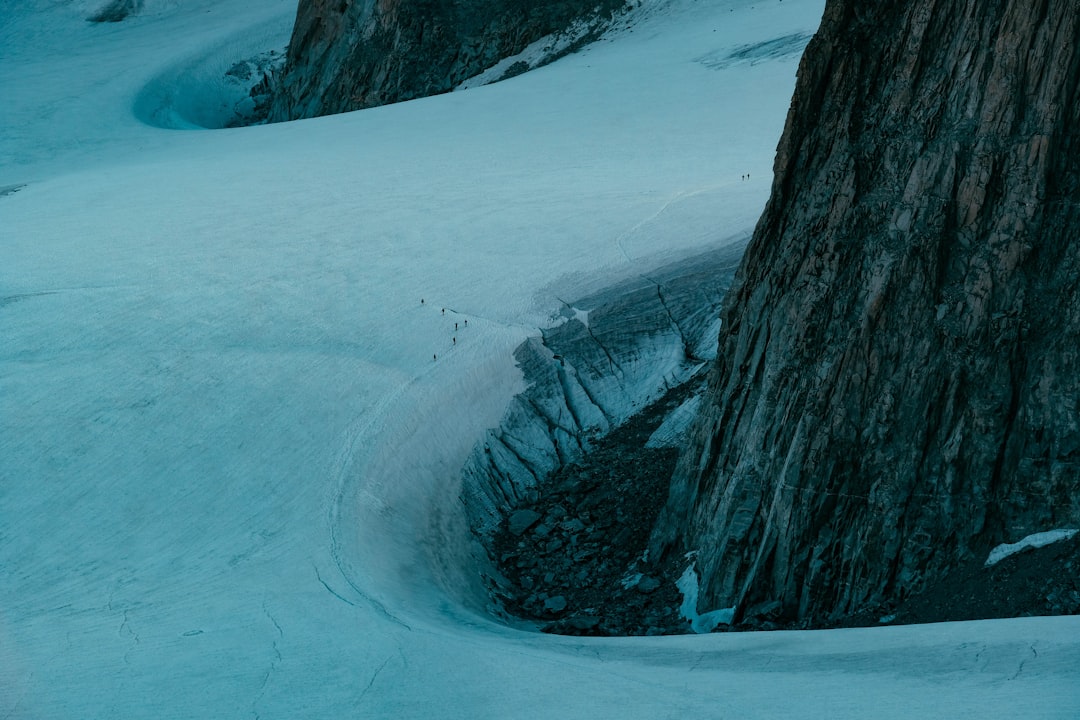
x=897 y=387
x=352 y=54
x=615 y=352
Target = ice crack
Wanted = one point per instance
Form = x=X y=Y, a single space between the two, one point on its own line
x=330 y=589
x=1034 y=654
x=688 y=351
x=374 y=677
x=274 y=663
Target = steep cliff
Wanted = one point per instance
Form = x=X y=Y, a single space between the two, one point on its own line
x=898 y=379
x=351 y=54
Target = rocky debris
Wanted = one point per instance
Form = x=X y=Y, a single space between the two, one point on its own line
x=896 y=387
x=351 y=54
x=1036 y=581
x=578 y=566
x=574 y=558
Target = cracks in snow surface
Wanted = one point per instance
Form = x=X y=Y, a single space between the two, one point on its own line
x=125 y=629
x=503 y=438
x=378 y=606
x=571 y=405
x=1034 y=656
x=330 y=589
x=569 y=376
x=677 y=197
x=274 y=662
x=134 y=637
x=554 y=425
x=374 y=677
x=688 y=350
x=614 y=367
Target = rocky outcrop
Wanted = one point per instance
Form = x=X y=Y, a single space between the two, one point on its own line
x=897 y=387
x=352 y=54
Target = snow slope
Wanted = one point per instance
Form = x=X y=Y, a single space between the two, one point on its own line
x=228 y=458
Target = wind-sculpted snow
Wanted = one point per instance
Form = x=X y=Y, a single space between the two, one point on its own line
x=232 y=436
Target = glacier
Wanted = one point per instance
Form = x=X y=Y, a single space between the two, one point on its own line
x=232 y=437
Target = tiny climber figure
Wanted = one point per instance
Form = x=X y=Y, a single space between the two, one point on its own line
x=434 y=356
x=455 y=326
x=444 y=311
x=466 y=323
x=421 y=301
x=455 y=341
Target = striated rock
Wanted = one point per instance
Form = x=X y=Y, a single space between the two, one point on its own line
x=352 y=54
x=897 y=388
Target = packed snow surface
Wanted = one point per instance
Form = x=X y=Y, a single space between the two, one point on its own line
x=231 y=433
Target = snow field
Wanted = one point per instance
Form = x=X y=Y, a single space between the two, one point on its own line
x=227 y=455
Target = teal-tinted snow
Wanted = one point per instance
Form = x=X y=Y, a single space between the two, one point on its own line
x=231 y=434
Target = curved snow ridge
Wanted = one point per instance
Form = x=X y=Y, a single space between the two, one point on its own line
x=1035 y=540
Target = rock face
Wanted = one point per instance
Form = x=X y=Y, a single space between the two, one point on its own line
x=351 y=54
x=897 y=387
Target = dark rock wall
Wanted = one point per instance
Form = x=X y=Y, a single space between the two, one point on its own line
x=351 y=54
x=898 y=381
